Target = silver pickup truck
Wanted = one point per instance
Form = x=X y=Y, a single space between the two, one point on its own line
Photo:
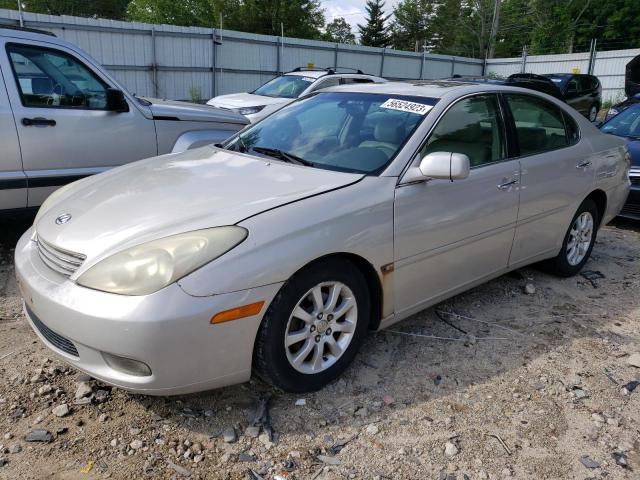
x=64 y=117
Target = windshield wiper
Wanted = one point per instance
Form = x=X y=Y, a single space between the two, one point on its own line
x=280 y=155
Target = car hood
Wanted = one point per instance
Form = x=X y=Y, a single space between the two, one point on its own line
x=175 y=193
x=185 y=111
x=238 y=100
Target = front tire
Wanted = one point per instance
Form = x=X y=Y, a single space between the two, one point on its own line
x=593 y=113
x=314 y=327
x=578 y=242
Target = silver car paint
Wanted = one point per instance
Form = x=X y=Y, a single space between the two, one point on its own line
x=93 y=139
x=445 y=237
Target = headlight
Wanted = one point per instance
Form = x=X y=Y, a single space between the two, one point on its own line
x=148 y=267
x=49 y=201
x=250 y=110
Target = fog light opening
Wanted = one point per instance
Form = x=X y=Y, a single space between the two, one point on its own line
x=127 y=365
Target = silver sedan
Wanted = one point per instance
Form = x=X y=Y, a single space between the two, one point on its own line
x=346 y=211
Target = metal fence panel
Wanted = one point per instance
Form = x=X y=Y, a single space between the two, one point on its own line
x=180 y=62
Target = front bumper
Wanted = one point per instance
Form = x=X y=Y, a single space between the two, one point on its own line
x=631 y=208
x=170 y=331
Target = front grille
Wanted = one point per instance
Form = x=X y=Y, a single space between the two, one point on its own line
x=62 y=261
x=52 y=337
x=631 y=210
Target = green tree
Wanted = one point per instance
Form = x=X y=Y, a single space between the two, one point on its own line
x=412 y=24
x=112 y=9
x=338 y=31
x=375 y=32
x=194 y=13
x=300 y=18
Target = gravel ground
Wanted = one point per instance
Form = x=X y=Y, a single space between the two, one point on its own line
x=526 y=381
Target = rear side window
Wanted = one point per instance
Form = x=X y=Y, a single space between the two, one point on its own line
x=53 y=79
x=573 y=133
x=540 y=126
x=350 y=80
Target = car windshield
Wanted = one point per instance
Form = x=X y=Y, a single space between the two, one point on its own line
x=286 y=86
x=345 y=131
x=625 y=124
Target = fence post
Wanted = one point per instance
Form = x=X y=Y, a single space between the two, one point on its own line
x=154 y=65
x=424 y=50
x=213 y=63
x=523 y=67
x=335 y=56
x=384 y=49
x=592 y=56
x=453 y=66
x=278 y=40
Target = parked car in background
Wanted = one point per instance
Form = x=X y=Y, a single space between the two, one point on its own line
x=631 y=88
x=530 y=81
x=582 y=92
x=286 y=88
x=63 y=117
x=347 y=210
x=627 y=125
x=622 y=106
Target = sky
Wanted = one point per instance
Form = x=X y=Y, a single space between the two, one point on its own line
x=351 y=10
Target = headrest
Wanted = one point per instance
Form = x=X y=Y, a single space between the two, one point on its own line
x=388 y=133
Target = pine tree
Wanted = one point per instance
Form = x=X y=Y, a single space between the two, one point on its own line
x=375 y=33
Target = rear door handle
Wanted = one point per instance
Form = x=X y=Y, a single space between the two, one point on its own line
x=38 y=121
x=506 y=185
x=584 y=164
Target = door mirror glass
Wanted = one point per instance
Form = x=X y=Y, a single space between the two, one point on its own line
x=116 y=102
x=445 y=165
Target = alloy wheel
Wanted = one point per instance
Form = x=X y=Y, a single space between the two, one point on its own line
x=593 y=113
x=580 y=238
x=321 y=327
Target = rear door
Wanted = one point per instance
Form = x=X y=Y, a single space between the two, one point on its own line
x=13 y=183
x=64 y=127
x=556 y=175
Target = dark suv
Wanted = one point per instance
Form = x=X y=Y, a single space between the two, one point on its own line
x=582 y=92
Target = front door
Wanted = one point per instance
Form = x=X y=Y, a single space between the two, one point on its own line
x=13 y=184
x=449 y=235
x=65 y=131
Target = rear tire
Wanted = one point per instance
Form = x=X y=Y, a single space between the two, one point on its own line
x=314 y=327
x=578 y=242
x=593 y=113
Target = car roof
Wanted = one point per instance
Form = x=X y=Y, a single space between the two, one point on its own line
x=434 y=88
x=418 y=88
x=329 y=72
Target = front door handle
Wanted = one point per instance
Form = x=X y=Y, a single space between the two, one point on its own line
x=507 y=185
x=38 y=121
x=584 y=164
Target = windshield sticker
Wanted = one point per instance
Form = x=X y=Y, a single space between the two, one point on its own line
x=405 y=106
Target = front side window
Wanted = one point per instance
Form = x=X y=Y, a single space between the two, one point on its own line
x=539 y=125
x=473 y=127
x=53 y=79
x=286 y=86
x=344 y=131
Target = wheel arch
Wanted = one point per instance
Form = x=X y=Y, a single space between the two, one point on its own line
x=599 y=197
x=371 y=276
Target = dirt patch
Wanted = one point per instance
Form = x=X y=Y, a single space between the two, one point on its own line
x=504 y=381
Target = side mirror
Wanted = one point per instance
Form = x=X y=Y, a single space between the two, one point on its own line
x=445 y=166
x=116 y=102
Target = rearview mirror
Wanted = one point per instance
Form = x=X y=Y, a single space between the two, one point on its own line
x=116 y=102
x=445 y=165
